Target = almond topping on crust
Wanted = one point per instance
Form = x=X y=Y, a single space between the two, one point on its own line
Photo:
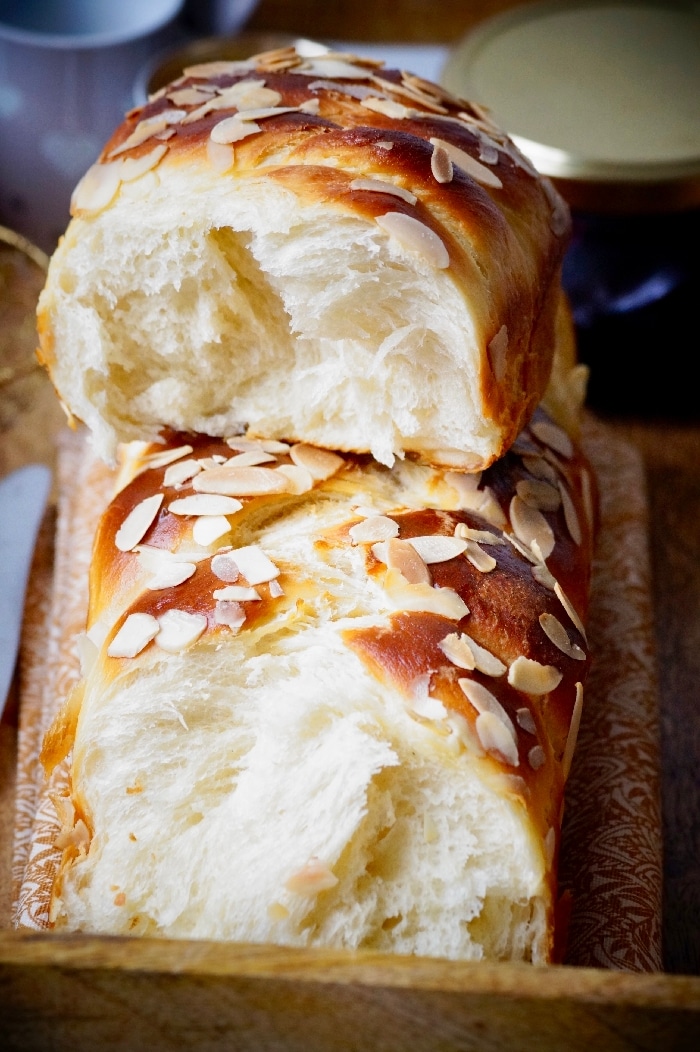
x=384 y=187
x=441 y=165
x=436 y=548
x=209 y=528
x=553 y=436
x=237 y=593
x=250 y=458
x=97 y=188
x=220 y=156
x=205 y=503
x=570 y=609
x=415 y=237
x=170 y=574
x=254 y=564
x=538 y=494
x=179 y=629
x=457 y=649
x=320 y=463
x=473 y=168
x=480 y=560
x=479 y=536
x=406 y=596
x=229 y=613
x=532 y=677
x=496 y=738
x=232 y=129
x=402 y=556
x=147 y=128
x=530 y=525
x=138 y=522
x=372 y=529
x=240 y=482
x=162 y=458
x=181 y=471
x=387 y=107
x=570 y=516
x=136 y=633
x=555 y=631
x=299 y=479
x=225 y=567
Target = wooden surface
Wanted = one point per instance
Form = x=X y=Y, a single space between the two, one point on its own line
x=83 y=993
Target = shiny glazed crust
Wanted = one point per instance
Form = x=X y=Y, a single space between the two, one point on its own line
x=348 y=140
x=476 y=599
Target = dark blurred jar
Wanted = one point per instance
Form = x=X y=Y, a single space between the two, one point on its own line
x=605 y=99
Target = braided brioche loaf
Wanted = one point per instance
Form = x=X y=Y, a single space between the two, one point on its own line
x=318 y=249
x=328 y=702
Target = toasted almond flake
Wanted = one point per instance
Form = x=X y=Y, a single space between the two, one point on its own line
x=250 y=458
x=480 y=501
x=138 y=522
x=311 y=106
x=230 y=614
x=220 y=156
x=254 y=564
x=532 y=677
x=479 y=536
x=232 y=129
x=135 y=167
x=526 y=720
x=524 y=550
x=570 y=609
x=469 y=164
x=436 y=548
x=162 y=458
x=543 y=576
x=139 y=188
x=538 y=494
x=320 y=463
x=147 y=128
x=136 y=633
x=422 y=704
x=236 y=593
x=384 y=144
x=205 y=503
x=97 y=188
x=553 y=436
x=240 y=482
x=457 y=649
x=530 y=525
x=299 y=479
x=555 y=631
x=209 y=528
x=170 y=574
x=495 y=738
x=416 y=237
x=330 y=67
x=276 y=589
x=225 y=567
x=179 y=629
x=572 y=736
x=479 y=559
x=540 y=468
x=403 y=557
x=211 y=462
x=498 y=353
x=315 y=876
x=188 y=96
x=406 y=596
x=382 y=186
x=481 y=698
x=372 y=529
x=570 y=517
x=218 y=68
x=536 y=757
x=181 y=471
x=250 y=113
x=484 y=660
x=441 y=165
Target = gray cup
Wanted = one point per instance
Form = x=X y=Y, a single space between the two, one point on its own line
x=67 y=70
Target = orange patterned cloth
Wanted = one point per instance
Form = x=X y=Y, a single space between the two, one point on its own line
x=610 y=866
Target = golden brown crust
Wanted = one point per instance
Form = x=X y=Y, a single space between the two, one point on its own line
x=503 y=227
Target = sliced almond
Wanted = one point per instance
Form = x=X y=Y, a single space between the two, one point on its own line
x=299 y=479
x=555 y=631
x=163 y=457
x=225 y=567
x=138 y=522
x=220 y=156
x=570 y=609
x=479 y=559
x=469 y=164
x=495 y=738
x=532 y=677
x=170 y=574
x=237 y=593
x=254 y=564
x=530 y=525
x=384 y=187
x=208 y=529
x=436 y=548
x=570 y=516
x=320 y=463
x=205 y=503
x=147 y=128
x=540 y=468
x=538 y=494
x=402 y=556
x=250 y=458
x=553 y=436
x=97 y=188
x=372 y=529
x=232 y=129
x=457 y=649
x=239 y=482
x=387 y=107
x=479 y=536
x=181 y=471
x=405 y=596
x=230 y=614
x=484 y=660
x=135 y=167
x=416 y=237
x=179 y=629
x=573 y=732
x=134 y=635
x=441 y=165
